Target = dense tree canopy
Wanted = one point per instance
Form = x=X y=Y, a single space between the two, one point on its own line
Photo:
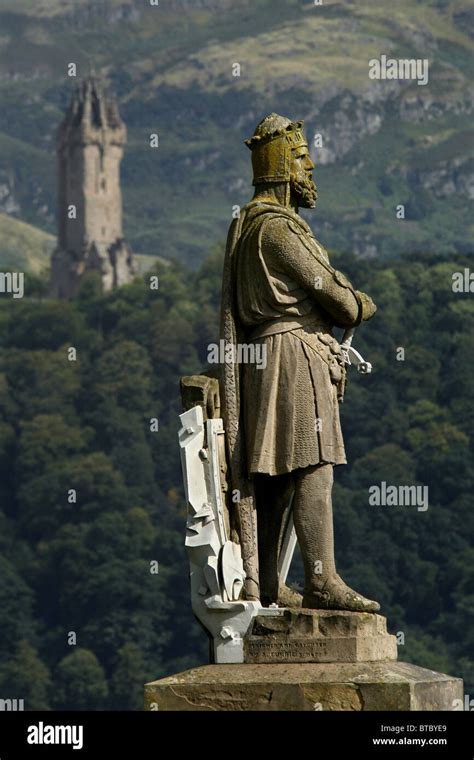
x=91 y=495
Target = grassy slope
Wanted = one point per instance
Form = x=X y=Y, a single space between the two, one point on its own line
x=22 y=246
x=26 y=248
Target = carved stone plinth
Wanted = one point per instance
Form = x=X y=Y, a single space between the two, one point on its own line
x=309 y=686
x=302 y=635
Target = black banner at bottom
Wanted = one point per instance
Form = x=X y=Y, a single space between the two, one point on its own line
x=104 y=734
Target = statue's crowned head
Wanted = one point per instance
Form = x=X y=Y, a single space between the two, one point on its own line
x=280 y=155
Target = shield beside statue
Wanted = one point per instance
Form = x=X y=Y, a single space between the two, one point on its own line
x=216 y=568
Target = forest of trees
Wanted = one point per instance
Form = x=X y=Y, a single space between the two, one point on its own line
x=94 y=597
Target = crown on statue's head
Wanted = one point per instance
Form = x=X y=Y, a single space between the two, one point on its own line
x=271 y=144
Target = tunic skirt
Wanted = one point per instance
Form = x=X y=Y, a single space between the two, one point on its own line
x=291 y=417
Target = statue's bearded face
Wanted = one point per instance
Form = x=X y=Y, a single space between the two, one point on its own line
x=302 y=186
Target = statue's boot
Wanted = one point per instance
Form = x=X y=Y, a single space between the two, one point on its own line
x=334 y=594
x=251 y=591
x=312 y=511
x=287 y=597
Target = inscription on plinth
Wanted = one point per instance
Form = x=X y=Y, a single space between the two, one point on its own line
x=319 y=636
x=261 y=649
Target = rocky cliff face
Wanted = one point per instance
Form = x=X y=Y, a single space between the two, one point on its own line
x=8 y=201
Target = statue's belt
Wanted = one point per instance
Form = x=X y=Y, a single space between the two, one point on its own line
x=326 y=346
x=288 y=323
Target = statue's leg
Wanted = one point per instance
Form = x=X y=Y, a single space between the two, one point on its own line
x=312 y=514
x=273 y=493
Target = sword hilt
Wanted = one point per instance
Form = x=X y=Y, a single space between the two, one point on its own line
x=350 y=353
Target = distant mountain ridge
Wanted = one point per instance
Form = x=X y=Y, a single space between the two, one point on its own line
x=385 y=144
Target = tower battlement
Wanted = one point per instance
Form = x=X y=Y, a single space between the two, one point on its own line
x=91 y=117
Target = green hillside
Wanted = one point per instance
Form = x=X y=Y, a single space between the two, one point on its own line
x=385 y=143
x=23 y=247
x=26 y=248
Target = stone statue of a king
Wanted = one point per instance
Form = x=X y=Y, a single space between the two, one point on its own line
x=281 y=414
x=259 y=438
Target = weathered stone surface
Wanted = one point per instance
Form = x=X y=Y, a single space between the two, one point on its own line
x=319 y=636
x=313 y=686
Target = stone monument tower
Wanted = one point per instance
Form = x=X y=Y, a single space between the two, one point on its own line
x=90 y=145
